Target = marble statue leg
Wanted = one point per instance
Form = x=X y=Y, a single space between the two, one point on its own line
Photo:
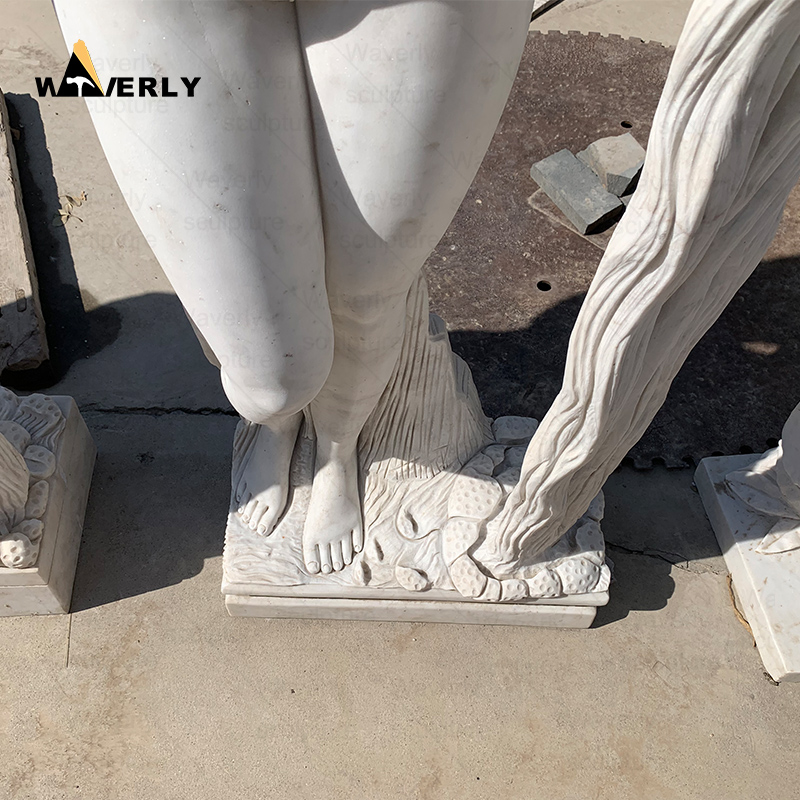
x=723 y=155
x=399 y=140
x=230 y=204
x=405 y=99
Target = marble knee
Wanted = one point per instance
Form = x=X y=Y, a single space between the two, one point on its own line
x=265 y=392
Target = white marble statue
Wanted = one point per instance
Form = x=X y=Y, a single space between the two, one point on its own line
x=753 y=504
x=362 y=125
x=344 y=136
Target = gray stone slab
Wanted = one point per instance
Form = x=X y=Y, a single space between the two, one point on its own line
x=22 y=337
x=577 y=191
x=617 y=161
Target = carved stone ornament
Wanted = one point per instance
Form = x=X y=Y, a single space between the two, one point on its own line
x=46 y=462
x=29 y=433
x=434 y=480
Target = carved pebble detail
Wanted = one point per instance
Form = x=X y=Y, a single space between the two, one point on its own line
x=509 y=430
x=37 y=500
x=411 y=579
x=466 y=577
x=482 y=464
x=515 y=456
x=509 y=478
x=605 y=578
x=544 y=583
x=17 y=551
x=497 y=452
x=15 y=434
x=578 y=575
x=492 y=591
x=39 y=413
x=41 y=462
x=512 y=590
x=474 y=495
x=32 y=528
x=458 y=536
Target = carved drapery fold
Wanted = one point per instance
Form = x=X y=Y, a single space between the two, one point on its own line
x=723 y=155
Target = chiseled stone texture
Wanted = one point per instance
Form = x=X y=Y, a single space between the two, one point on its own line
x=617 y=161
x=434 y=478
x=577 y=191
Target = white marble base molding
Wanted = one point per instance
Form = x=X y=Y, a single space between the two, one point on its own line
x=531 y=614
x=767 y=584
x=46 y=460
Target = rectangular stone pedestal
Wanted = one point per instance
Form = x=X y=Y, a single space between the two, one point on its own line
x=46 y=588
x=767 y=585
x=566 y=612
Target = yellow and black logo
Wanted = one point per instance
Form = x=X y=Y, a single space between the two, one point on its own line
x=80 y=80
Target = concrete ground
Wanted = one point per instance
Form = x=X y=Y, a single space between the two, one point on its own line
x=148 y=690
x=651 y=20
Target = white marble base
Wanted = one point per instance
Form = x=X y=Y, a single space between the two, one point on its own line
x=767 y=585
x=435 y=473
x=46 y=588
x=532 y=613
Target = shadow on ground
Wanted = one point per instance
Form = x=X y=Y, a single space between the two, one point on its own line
x=640 y=584
x=72 y=332
x=158 y=502
x=732 y=395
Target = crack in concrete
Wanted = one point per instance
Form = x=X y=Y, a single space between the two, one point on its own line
x=661 y=555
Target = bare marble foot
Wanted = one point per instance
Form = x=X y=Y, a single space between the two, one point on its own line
x=334 y=531
x=262 y=476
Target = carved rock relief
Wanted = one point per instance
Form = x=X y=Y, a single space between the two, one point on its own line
x=30 y=428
